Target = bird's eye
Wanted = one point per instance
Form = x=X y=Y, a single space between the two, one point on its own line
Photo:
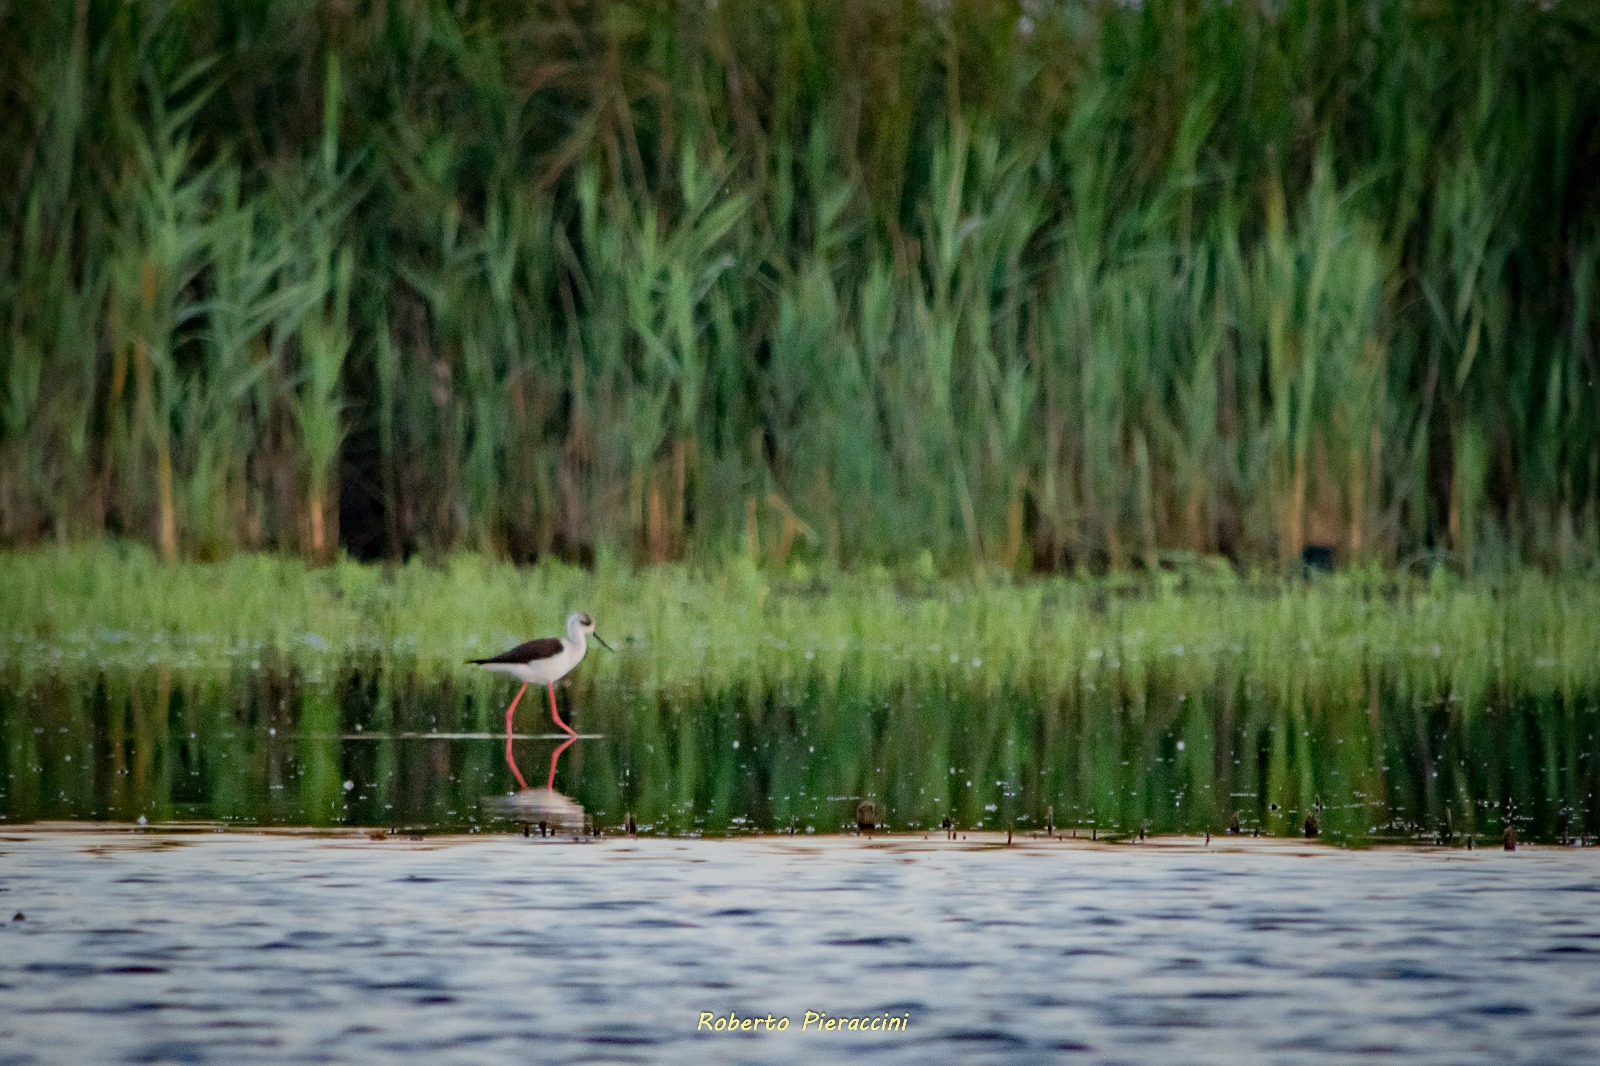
x=588 y=621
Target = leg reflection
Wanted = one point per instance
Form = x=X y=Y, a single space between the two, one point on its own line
x=511 y=710
x=554 y=757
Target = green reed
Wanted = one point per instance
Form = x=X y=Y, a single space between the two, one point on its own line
x=1099 y=287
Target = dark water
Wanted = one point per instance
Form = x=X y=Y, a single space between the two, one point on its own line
x=244 y=948
x=382 y=744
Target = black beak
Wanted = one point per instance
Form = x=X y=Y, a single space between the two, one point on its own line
x=603 y=643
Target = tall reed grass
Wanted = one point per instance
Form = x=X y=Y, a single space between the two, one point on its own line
x=984 y=285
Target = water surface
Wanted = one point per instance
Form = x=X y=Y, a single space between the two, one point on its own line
x=286 y=948
x=1113 y=747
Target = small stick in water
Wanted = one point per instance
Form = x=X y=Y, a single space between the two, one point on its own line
x=1008 y=834
x=1050 y=821
x=949 y=828
x=1208 y=838
x=866 y=816
x=1511 y=838
x=1233 y=824
x=1313 y=825
x=630 y=826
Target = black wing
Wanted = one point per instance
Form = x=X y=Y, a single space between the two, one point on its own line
x=531 y=652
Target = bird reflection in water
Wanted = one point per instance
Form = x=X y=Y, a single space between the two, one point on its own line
x=542 y=809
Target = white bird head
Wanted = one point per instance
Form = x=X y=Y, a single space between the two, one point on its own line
x=580 y=625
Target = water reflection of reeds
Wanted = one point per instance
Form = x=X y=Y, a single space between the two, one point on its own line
x=1167 y=748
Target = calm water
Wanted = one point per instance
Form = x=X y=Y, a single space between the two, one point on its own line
x=254 y=948
x=262 y=743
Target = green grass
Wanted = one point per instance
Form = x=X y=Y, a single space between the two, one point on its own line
x=1470 y=642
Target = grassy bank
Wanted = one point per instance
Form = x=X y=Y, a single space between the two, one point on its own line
x=253 y=690
x=1029 y=287
x=1339 y=634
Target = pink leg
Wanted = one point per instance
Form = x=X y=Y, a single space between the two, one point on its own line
x=509 y=760
x=556 y=716
x=565 y=744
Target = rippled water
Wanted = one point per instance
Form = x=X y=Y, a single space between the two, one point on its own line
x=288 y=948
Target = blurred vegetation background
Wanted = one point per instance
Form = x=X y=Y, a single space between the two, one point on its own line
x=980 y=285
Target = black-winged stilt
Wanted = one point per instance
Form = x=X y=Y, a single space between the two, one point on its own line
x=544 y=662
